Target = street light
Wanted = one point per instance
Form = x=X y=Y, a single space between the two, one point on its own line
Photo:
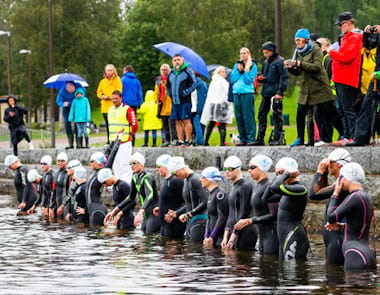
x=29 y=61
x=7 y=33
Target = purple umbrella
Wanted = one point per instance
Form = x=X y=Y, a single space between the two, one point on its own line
x=59 y=80
x=194 y=60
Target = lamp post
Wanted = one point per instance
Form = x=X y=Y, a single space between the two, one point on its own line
x=7 y=33
x=29 y=61
x=51 y=70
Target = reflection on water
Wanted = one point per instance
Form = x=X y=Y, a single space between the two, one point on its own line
x=42 y=258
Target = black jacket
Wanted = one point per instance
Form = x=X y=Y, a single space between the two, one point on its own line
x=18 y=119
x=276 y=76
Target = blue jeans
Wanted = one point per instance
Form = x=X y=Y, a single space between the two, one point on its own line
x=199 y=129
x=244 y=106
x=81 y=129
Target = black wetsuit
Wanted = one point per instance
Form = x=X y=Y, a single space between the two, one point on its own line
x=79 y=198
x=239 y=207
x=290 y=231
x=357 y=209
x=333 y=239
x=61 y=180
x=96 y=209
x=69 y=200
x=48 y=191
x=265 y=219
x=196 y=204
x=171 y=198
x=24 y=189
x=121 y=194
x=217 y=212
x=144 y=187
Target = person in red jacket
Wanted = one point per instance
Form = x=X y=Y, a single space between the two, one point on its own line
x=346 y=63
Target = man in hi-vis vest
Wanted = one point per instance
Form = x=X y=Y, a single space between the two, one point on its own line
x=122 y=117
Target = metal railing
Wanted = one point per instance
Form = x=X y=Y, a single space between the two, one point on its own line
x=35 y=134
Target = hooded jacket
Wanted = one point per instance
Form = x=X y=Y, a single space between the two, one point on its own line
x=180 y=84
x=276 y=76
x=18 y=119
x=149 y=111
x=106 y=87
x=132 y=91
x=80 y=109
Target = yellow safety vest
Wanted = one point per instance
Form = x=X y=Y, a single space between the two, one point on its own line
x=117 y=118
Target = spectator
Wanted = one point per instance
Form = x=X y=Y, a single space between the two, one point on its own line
x=14 y=116
x=315 y=88
x=181 y=82
x=242 y=77
x=109 y=84
x=346 y=64
x=198 y=99
x=164 y=102
x=149 y=111
x=274 y=78
x=217 y=109
x=80 y=114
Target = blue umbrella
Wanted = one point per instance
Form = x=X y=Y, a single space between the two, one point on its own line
x=60 y=80
x=194 y=60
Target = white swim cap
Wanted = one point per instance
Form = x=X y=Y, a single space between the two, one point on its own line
x=62 y=156
x=9 y=160
x=212 y=174
x=99 y=158
x=32 y=175
x=232 y=161
x=47 y=159
x=288 y=164
x=353 y=172
x=163 y=160
x=262 y=161
x=104 y=174
x=138 y=157
x=176 y=163
x=80 y=172
x=73 y=164
x=341 y=156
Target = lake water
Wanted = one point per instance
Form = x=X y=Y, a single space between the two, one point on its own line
x=37 y=257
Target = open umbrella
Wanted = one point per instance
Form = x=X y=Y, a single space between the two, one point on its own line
x=60 y=80
x=211 y=69
x=194 y=60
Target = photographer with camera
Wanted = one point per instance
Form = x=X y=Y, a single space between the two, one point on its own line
x=315 y=87
x=366 y=119
x=242 y=77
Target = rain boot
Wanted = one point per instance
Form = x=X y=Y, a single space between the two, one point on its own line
x=222 y=133
x=86 y=140
x=79 y=142
x=70 y=139
x=208 y=134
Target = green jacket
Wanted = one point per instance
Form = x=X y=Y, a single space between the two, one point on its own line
x=313 y=79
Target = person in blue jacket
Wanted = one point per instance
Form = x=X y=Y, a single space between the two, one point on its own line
x=80 y=114
x=199 y=94
x=64 y=100
x=242 y=77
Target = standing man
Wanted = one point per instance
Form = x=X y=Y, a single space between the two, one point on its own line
x=274 y=78
x=346 y=64
x=164 y=102
x=181 y=82
x=14 y=116
x=122 y=117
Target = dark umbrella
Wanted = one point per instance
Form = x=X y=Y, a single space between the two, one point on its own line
x=60 y=80
x=211 y=69
x=194 y=60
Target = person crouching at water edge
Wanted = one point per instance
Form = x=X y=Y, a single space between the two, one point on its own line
x=265 y=213
x=170 y=200
x=239 y=207
x=292 y=236
x=122 y=214
x=357 y=209
x=25 y=193
x=217 y=207
x=144 y=188
x=35 y=179
x=193 y=213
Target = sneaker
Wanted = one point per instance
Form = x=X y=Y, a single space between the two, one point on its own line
x=321 y=143
x=178 y=144
x=256 y=143
x=342 y=142
x=354 y=143
x=187 y=144
x=297 y=142
x=241 y=144
x=31 y=147
x=144 y=145
x=165 y=144
x=274 y=142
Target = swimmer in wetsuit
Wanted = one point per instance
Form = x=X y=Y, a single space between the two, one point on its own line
x=122 y=214
x=68 y=201
x=169 y=200
x=239 y=207
x=48 y=198
x=320 y=189
x=194 y=212
x=217 y=207
x=25 y=193
x=61 y=180
x=35 y=179
x=357 y=209
x=79 y=208
x=265 y=214
x=291 y=234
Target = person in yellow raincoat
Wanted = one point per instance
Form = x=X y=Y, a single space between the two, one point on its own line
x=149 y=111
x=109 y=84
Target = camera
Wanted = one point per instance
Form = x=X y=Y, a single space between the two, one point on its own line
x=373 y=29
x=241 y=62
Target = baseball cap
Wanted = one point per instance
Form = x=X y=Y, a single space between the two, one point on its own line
x=343 y=17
